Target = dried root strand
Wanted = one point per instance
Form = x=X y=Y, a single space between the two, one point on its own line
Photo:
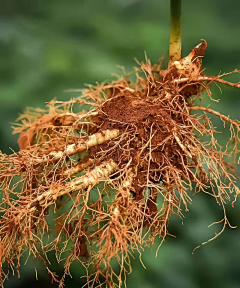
x=225 y=118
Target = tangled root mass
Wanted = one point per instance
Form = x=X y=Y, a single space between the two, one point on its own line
x=122 y=168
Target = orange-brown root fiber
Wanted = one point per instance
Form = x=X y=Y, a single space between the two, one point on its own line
x=98 y=185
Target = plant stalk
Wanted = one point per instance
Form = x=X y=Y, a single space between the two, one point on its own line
x=175 y=31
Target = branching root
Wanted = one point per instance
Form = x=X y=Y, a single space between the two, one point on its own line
x=97 y=186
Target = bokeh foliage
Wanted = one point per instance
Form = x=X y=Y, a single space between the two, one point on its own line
x=47 y=47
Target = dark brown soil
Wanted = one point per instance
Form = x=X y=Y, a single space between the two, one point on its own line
x=144 y=120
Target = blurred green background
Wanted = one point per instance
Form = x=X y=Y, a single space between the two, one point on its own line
x=49 y=46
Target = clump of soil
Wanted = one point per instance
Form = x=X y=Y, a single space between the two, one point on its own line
x=125 y=166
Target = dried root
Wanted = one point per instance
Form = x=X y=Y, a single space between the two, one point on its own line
x=124 y=167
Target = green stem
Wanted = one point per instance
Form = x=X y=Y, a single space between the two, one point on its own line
x=175 y=31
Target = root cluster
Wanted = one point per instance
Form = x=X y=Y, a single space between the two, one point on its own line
x=115 y=173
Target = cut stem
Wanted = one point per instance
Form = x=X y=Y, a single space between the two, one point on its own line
x=175 y=31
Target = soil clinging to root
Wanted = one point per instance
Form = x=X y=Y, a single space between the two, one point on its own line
x=121 y=168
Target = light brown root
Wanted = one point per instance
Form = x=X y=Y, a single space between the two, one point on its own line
x=83 y=144
x=90 y=179
x=225 y=118
x=182 y=146
x=78 y=168
x=210 y=79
